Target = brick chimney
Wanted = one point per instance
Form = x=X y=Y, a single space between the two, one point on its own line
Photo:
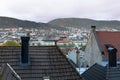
x=24 y=58
x=112 y=56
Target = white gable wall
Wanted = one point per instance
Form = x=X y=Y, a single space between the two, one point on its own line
x=92 y=51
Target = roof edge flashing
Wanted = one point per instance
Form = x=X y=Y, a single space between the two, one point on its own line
x=98 y=43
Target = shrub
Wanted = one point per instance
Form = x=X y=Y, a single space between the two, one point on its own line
x=11 y=43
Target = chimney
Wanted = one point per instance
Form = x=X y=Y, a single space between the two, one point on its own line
x=112 y=56
x=93 y=28
x=55 y=42
x=77 y=57
x=24 y=58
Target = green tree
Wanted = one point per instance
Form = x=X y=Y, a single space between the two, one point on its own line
x=11 y=43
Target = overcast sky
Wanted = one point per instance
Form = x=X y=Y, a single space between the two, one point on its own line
x=46 y=10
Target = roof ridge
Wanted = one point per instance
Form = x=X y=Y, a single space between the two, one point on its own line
x=98 y=42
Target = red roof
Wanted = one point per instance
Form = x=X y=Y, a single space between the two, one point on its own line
x=112 y=38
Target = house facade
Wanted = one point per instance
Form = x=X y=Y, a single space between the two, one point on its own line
x=96 y=49
x=92 y=51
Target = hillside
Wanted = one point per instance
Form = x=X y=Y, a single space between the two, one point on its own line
x=85 y=23
x=12 y=22
x=60 y=23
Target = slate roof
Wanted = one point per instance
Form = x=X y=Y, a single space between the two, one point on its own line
x=107 y=37
x=113 y=73
x=45 y=61
x=98 y=72
x=95 y=72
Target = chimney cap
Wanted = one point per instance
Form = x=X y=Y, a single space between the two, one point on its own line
x=93 y=27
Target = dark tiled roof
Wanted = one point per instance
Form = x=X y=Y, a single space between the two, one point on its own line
x=112 y=38
x=96 y=72
x=45 y=61
x=113 y=73
x=7 y=73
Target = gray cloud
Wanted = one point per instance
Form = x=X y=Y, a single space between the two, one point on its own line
x=46 y=10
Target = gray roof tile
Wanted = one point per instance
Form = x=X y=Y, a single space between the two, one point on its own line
x=96 y=72
x=7 y=73
x=45 y=61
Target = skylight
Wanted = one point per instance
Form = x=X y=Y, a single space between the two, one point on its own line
x=46 y=78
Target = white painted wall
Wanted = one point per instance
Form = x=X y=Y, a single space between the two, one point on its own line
x=92 y=52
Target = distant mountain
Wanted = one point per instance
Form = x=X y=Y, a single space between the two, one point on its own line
x=85 y=23
x=12 y=22
x=60 y=23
